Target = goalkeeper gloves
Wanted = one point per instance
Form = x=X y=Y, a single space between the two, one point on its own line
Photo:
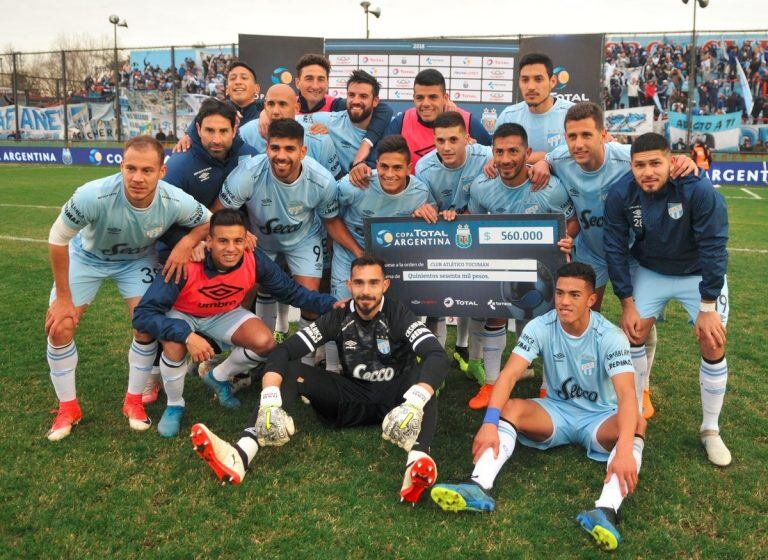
x=273 y=424
x=403 y=423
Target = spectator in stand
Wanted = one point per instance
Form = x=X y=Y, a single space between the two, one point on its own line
x=632 y=91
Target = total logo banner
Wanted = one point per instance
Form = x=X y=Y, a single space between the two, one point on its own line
x=63 y=156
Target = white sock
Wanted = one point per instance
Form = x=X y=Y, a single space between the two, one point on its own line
x=488 y=467
x=611 y=496
x=462 y=331
x=238 y=361
x=248 y=446
x=173 y=379
x=476 y=334
x=308 y=359
x=63 y=362
x=438 y=328
x=494 y=342
x=282 y=325
x=650 y=351
x=264 y=307
x=640 y=363
x=141 y=358
x=713 y=379
x=332 y=362
x=154 y=375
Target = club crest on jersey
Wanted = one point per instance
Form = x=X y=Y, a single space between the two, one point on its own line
x=383 y=345
x=155 y=232
x=587 y=365
x=463 y=236
x=675 y=210
x=295 y=210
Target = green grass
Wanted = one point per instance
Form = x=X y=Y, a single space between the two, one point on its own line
x=107 y=491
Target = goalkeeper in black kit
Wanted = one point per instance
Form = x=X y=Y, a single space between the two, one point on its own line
x=379 y=340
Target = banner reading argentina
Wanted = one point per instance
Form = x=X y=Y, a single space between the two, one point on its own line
x=475 y=266
x=629 y=122
x=718 y=132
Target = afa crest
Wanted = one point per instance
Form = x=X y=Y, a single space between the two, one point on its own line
x=463 y=236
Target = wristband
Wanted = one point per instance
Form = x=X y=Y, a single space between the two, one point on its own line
x=492 y=416
x=270 y=396
x=707 y=306
x=356 y=164
x=417 y=396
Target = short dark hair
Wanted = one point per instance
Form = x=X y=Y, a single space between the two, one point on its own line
x=239 y=63
x=536 y=58
x=213 y=106
x=311 y=59
x=450 y=119
x=430 y=77
x=367 y=259
x=585 y=110
x=363 y=77
x=511 y=129
x=286 y=128
x=394 y=143
x=226 y=217
x=146 y=142
x=648 y=142
x=578 y=270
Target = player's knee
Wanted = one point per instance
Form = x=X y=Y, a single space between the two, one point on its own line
x=144 y=338
x=63 y=333
x=263 y=342
x=512 y=410
x=712 y=353
x=308 y=316
x=495 y=323
x=174 y=350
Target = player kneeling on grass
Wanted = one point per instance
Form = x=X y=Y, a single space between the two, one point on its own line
x=588 y=360
x=381 y=382
x=207 y=303
x=680 y=231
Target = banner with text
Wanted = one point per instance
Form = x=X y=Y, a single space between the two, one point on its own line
x=476 y=266
x=718 y=132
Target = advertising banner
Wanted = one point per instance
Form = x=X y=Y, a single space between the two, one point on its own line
x=719 y=132
x=475 y=266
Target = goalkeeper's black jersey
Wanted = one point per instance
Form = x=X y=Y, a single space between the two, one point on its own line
x=376 y=350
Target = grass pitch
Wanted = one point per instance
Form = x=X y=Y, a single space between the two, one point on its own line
x=108 y=491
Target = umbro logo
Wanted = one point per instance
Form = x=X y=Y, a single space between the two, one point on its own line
x=220 y=291
x=559 y=357
x=266 y=201
x=114 y=230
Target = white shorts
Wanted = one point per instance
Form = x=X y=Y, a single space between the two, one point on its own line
x=219 y=327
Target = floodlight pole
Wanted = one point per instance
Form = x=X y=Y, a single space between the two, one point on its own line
x=692 y=70
x=117 y=89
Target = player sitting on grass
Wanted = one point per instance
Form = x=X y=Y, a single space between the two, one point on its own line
x=680 y=231
x=207 y=303
x=588 y=360
x=108 y=229
x=380 y=340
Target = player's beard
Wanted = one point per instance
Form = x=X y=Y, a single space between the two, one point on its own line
x=366 y=305
x=362 y=116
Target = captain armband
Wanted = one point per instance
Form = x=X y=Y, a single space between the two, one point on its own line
x=60 y=233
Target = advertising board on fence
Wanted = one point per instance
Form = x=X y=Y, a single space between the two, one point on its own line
x=475 y=266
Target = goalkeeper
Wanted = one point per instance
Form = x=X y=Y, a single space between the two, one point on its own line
x=379 y=341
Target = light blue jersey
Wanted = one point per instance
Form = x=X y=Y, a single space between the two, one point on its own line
x=373 y=202
x=588 y=190
x=281 y=215
x=319 y=146
x=345 y=135
x=492 y=196
x=546 y=131
x=578 y=370
x=111 y=229
x=449 y=186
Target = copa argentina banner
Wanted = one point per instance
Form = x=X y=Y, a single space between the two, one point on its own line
x=719 y=132
x=629 y=122
x=739 y=173
x=58 y=156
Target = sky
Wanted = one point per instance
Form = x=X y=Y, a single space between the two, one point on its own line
x=39 y=24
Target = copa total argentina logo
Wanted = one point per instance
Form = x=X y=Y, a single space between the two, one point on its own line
x=281 y=75
x=95 y=157
x=412 y=238
x=563 y=77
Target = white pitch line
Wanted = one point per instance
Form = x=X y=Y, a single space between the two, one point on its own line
x=30 y=206
x=750 y=193
x=762 y=251
x=26 y=239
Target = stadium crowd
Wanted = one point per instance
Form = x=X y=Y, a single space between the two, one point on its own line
x=638 y=72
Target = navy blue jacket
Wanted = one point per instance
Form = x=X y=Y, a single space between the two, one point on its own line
x=380 y=119
x=201 y=175
x=149 y=315
x=680 y=230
